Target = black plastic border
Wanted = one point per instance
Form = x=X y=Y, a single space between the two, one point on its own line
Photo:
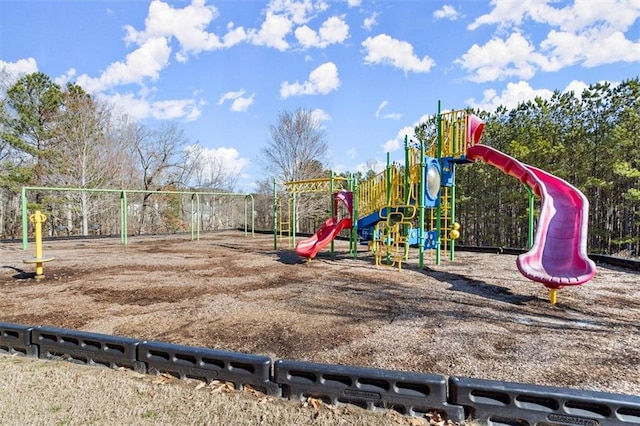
x=16 y=339
x=495 y=402
x=87 y=348
x=415 y=394
x=409 y=393
x=209 y=364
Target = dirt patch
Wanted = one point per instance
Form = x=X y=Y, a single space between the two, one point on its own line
x=475 y=316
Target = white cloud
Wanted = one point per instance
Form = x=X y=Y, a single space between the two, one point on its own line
x=187 y=25
x=320 y=115
x=175 y=108
x=591 y=48
x=499 y=59
x=588 y=33
x=322 y=80
x=376 y=165
x=577 y=87
x=333 y=30
x=392 y=115
x=234 y=35
x=140 y=108
x=299 y=12
x=511 y=96
x=136 y=107
x=383 y=49
x=370 y=21
x=239 y=102
x=227 y=160
x=272 y=33
x=447 y=12
x=354 y=3
x=617 y=14
x=17 y=69
x=397 y=142
x=66 y=77
x=145 y=62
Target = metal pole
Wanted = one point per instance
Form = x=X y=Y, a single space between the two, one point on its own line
x=421 y=194
x=275 y=215
x=452 y=202
x=439 y=208
x=193 y=213
x=333 y=205
x=253 y=215
x=25 y=231
x=198 y=216
x=354 y=215
x=530 y=216
x=125 y=221
x=388 y=179
x=293 y=221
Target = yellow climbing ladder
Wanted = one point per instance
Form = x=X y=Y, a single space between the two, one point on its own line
x=392 y=245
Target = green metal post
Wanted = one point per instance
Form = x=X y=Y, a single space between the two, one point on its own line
x=333 y=204
x=253 y=215
x=198 y=216
x=421 y=193
x=354 y=216
x=124 y=225
x=25 y=223
x=388 y=200
x=388 y=175
x=406 y=170
x=193 y=213
x=407 y=201
x=530 y=216
x=452 y=201
x=439 y=208
x=275 y=215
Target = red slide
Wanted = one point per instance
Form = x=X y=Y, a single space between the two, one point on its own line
x=328 y=232
x=558 y=256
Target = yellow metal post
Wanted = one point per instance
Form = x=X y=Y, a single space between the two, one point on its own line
x=553 y=295
x=38 y=219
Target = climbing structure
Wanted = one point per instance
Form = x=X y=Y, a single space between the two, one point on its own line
x=414 y=204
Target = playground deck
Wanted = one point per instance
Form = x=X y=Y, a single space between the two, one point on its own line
x=474 y=317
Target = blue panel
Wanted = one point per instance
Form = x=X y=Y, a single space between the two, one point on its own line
x=432 y=183
x=448 y=174
x=370 y=220
x=431 y=239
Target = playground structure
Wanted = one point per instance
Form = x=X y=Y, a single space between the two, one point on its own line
x=414 y=205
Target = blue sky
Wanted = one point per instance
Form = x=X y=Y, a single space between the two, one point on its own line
x=369 y=69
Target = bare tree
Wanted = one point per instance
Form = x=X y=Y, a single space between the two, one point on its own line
x=208 y=171
x=84 y=156
x=159 y=155
x=297 y=145
x=298 y=151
